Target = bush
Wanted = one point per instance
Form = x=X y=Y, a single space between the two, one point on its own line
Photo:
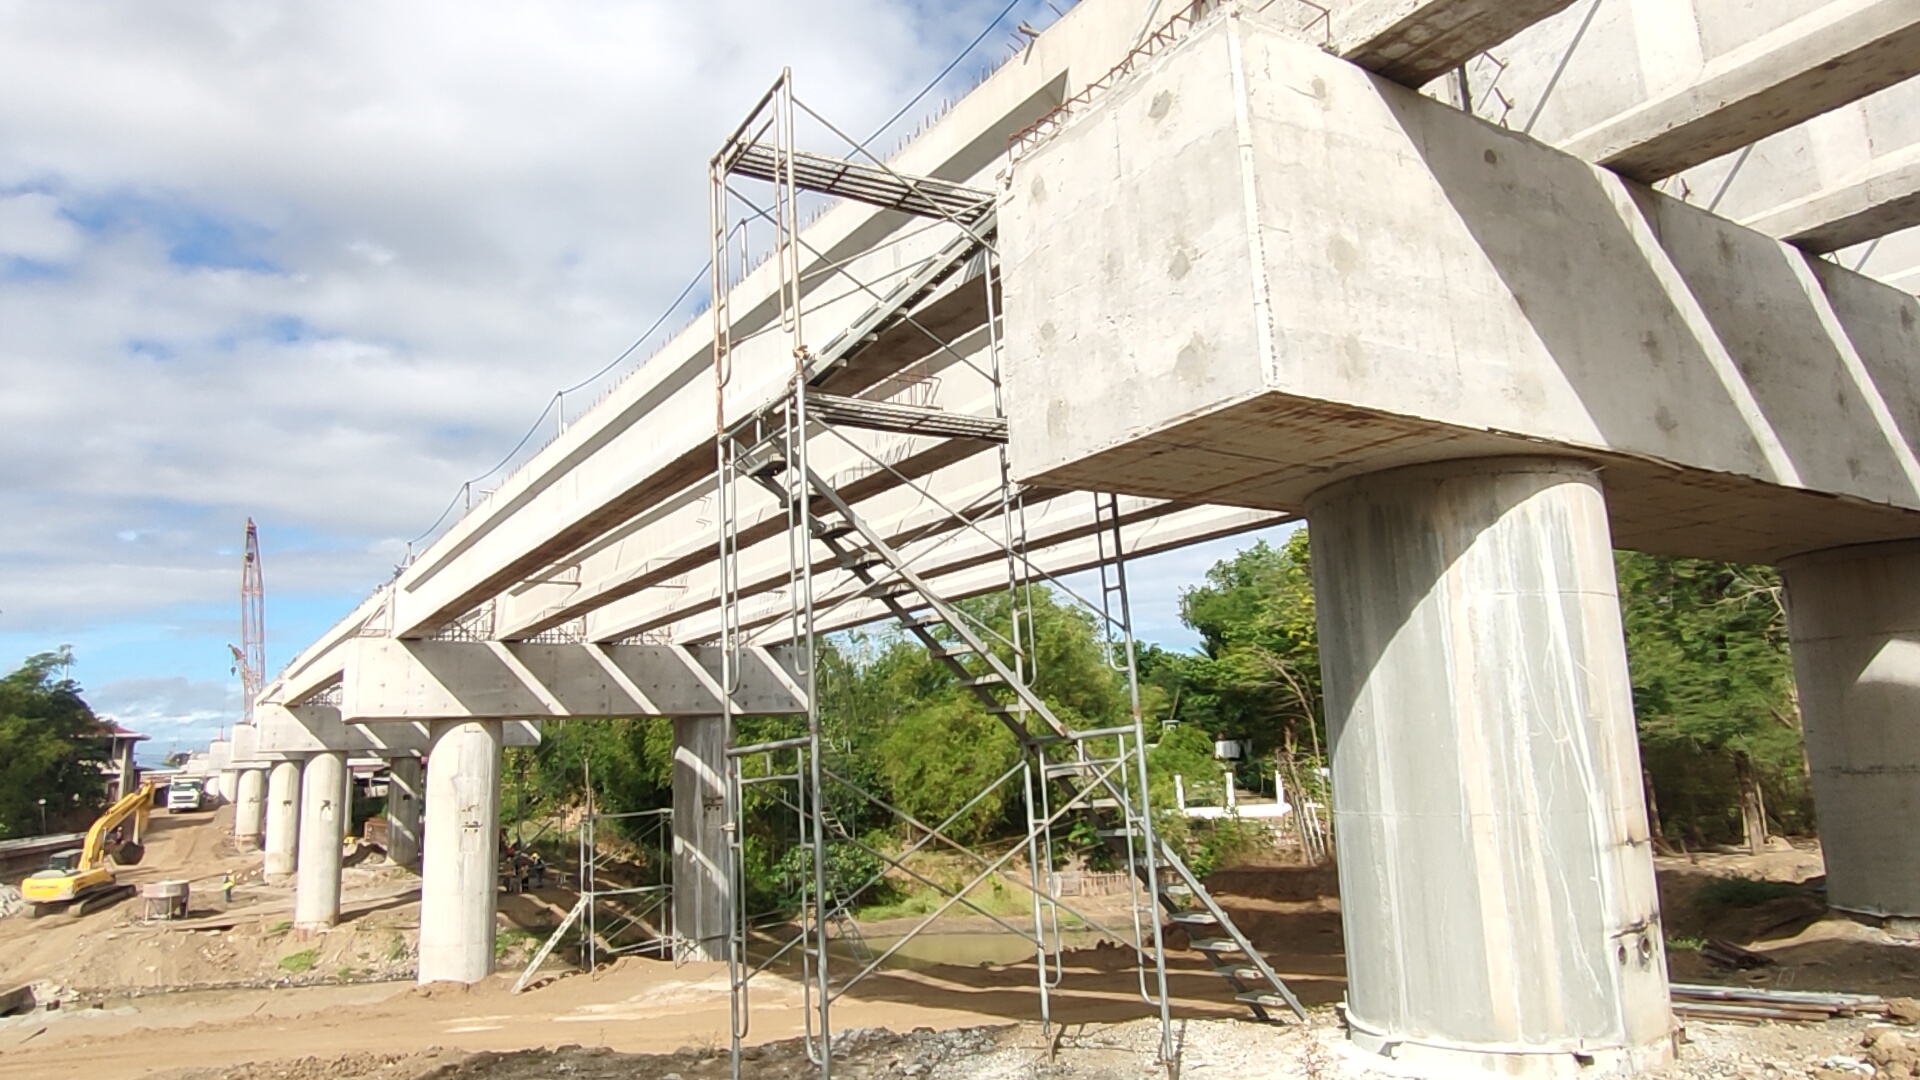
x=1741 y=892
x=301 y=962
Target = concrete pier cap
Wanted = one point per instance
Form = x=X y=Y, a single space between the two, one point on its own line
x=1496 y=876
x=1853 y=616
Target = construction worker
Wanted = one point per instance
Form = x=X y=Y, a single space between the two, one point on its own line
x=226 y=887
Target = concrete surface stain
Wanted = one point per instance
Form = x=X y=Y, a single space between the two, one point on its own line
x=1059 y=418
x=1038 y=189
x=1353 y=358
x=1181 y=262
x=1194 y=362
x=1162 y=101
x=1343 y=255
x=1664 y=419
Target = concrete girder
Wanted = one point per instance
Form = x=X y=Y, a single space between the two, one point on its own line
x=1881 y=199
x=1452 y=290
x=619 y=469
x=292 y=731
x=687 y=540
x=1838 y=53
x=317 y=666
x=429 y=681
x=930 y=537
x=976 y=575
x=610 y=466
x=1416 y=41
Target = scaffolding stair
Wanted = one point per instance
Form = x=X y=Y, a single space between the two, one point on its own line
x=893 y=308
x=926 y=615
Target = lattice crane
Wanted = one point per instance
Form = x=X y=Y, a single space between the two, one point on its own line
x=250 y=656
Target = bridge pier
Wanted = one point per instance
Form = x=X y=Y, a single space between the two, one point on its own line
x=403 y=811
x=1853 y=614
x=460 y=858
x=702 y=900
x=1496 y=879
x=249 y=808
x=282 y=820
x=316 y=888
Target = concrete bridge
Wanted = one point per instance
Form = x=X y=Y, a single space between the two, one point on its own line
x=1481 y=288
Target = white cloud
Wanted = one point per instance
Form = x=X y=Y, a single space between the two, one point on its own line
x=320 y=262
x=168 y=708
x=32 y=228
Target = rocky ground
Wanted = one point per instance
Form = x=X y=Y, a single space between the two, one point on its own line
x=1207 y=1050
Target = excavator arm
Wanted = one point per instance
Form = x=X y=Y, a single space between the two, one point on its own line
x=135 y=806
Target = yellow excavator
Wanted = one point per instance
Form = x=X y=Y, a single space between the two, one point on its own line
x=84 y=877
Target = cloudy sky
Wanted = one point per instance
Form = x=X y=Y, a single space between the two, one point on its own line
x=321 y=263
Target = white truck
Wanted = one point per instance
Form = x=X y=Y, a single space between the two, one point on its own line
x=184 y=794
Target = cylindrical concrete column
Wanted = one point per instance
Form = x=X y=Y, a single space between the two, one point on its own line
x=460 y=858
x=701 y=897
x=346 y=798
x=316 y=883
x=282 y=820
x=403 y=812
x=129 y=776
x=249 y=809
x=1496 y=878
x=1853 y=615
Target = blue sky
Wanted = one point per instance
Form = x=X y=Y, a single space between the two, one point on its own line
x=321 y=263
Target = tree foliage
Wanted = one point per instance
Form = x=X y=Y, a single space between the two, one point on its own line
x=1712 y=691
x=50 y=745
x=1711 y=682
x=1257 y=675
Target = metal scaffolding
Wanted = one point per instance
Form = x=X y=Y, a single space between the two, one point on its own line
x=639 y=917
x=934 y=311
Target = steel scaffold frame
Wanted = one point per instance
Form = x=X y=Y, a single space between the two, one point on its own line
x=766 y=449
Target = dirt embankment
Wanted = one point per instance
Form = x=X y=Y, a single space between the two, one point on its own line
x=245 y=940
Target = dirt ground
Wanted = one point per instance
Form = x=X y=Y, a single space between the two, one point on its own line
x=233 y=993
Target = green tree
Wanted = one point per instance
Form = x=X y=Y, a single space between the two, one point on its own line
x=1257 y=677
x=1713 y=691
x=50 y=744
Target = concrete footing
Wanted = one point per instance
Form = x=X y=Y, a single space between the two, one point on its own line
x=1854 y=617
x=701 y=897
x=460 y=855
x=249 y=809
x=404 y=798
x=1496 y=879
x=316 y=887
x=282 y=827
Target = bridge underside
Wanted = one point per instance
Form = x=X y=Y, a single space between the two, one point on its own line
x=1475 y=364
